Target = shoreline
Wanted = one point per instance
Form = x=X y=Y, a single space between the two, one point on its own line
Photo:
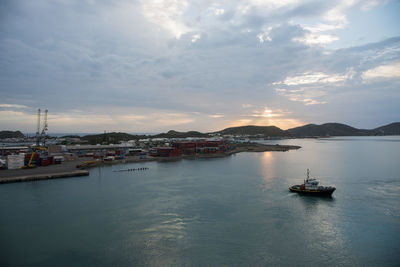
x=70 y=169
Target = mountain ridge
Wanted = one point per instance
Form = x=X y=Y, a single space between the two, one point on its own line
x=308 y=130
x=339 y=129
x=252 y=130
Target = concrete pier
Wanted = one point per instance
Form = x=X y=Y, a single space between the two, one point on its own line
x=37 y=177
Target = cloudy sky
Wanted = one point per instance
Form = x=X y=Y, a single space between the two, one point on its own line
x=154 y=65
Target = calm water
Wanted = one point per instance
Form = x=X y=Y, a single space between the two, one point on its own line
x=234 y=211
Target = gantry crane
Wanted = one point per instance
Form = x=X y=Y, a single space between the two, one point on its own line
x=43 y=135
x=40 y=136
x=38 y=129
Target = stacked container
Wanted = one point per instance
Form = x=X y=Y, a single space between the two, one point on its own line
x=15 y=161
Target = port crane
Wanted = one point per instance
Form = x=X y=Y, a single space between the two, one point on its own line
x=45 y=128
x=38 y=129
x=40 y=136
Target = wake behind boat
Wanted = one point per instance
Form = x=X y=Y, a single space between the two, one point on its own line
x=311 y=187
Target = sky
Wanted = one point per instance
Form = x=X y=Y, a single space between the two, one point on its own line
x=152 y=65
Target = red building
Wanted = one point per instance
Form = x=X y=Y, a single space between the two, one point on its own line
x=203 y=147
x=165 y=152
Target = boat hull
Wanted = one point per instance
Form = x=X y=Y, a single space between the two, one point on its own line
x=318 y=192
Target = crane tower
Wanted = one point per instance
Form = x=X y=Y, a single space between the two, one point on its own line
x=43 y=135
x=38 y=129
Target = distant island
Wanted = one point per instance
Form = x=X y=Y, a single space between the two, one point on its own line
x=250 y=131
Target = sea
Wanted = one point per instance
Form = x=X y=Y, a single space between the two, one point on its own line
x=232 y=211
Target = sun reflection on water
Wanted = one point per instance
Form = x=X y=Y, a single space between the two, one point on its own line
x=268 y=169
x=164 y=237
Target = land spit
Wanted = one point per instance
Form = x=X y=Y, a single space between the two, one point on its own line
x=68 y=169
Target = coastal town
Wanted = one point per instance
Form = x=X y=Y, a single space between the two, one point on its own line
x=41 y=156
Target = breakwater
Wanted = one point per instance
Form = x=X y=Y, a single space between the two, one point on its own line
x=256 y=147
x=38 y=177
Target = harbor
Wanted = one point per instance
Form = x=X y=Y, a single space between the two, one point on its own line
x=78 y=159
x=47 y=159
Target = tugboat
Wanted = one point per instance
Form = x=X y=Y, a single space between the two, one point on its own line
x=311 y=187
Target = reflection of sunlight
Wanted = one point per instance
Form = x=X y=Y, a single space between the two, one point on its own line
x=163 y=237
x=388 y=191
x=268 y=170
x=267 y=157
x=323 y=222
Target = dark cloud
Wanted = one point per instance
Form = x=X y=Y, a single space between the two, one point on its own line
x=68 y=55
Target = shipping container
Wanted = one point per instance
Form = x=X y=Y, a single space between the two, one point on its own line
x=15 y=161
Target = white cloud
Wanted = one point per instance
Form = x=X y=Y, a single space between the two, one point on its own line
x=216 y=116
x=196 y=37
x=316 y=39
x=247 y=105
x=12 y=106
x=322 y=27
x=265 y=35
x=324 y=30
x=297 y=90
x=307 y=101
x=384 y=71
x=336 y=16
x=272 y=4
x=307 y=97
x=167 y=14
x=315 y=78
x=219 y=11
x=310 y=87
x=367 y=5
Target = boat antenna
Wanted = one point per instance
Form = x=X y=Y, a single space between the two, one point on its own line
x=308 y=174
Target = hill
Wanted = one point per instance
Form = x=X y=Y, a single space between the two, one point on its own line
x=11 y=134
x=327 y=129
x=390 y=129
x=254 y=130
x=309 y=130
x=116 y=137
x=108 y=138
x=176 y=134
